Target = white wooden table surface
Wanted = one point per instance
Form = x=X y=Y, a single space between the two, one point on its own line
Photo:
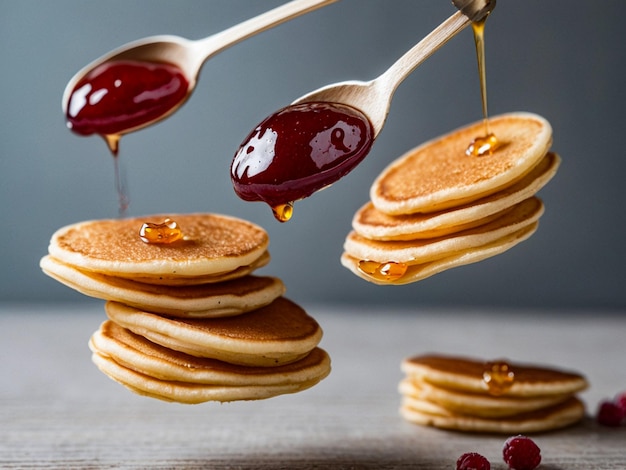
x=58 y=411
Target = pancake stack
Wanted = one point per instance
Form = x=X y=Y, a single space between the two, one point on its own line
x=470 y=395
x=189 y=321
x=436 y=208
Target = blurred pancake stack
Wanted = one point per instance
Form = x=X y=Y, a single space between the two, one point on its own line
x=471 y=395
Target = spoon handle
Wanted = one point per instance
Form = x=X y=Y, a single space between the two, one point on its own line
x=218 y=42
x=403 y=67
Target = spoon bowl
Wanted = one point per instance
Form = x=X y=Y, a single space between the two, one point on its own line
x=373 y=97
x=189 y=55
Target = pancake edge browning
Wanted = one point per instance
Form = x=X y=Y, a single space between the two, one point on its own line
x=385 y=190
x=113 y=247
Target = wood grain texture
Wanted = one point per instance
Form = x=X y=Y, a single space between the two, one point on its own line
x=58 y=411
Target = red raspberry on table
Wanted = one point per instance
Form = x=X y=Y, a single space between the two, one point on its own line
x=610 y=414
x=521 y=453
x=472 y=461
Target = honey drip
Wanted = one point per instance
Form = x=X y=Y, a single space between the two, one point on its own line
x=387 y=271
x=167 y=232
x=120 y=187
x=498 y=377
x=283 y=212
x=113 y=143
x=487 y=144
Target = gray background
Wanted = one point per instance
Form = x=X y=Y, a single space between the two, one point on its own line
x=561 y=59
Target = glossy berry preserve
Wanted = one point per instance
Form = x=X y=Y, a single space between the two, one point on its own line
x=119 y=96
x=300 y=150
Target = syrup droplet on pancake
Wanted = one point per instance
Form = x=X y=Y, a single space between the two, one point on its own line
x=283 y=212
x=480 y=146
x=299 y=150
x=164 y=233
x=387 y=271
x=498 y=377
x=488 y=143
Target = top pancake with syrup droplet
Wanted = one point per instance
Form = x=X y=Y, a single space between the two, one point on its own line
x=438 y=174
x=211 y=244
x=468 y=374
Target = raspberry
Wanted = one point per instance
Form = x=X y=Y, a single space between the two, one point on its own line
x=609 y=414
x=620 y=400
x=472 y=461
x=521 y=453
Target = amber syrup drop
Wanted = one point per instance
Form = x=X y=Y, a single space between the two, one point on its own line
x=387 y=271
x=498 y=377
x=283 y=212
x=167 y=232
x=484 y=145
x=487 y=144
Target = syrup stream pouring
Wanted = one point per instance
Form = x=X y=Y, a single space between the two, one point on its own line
x=373 y=98
x=190 y=55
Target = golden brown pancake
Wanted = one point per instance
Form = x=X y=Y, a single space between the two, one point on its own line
x=213 y=245
x=476 y=404
x=371 y=223
x=548 y=419
x=137 y=353
x=225 y=298
x=438 y=174
x=418 y=272
x=241 y=271
x=422 y=251
x=468 y=375
x=150 y=369
x=276 y=334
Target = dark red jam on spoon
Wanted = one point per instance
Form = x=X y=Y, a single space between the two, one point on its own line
x=299 y=150
x=118 y=96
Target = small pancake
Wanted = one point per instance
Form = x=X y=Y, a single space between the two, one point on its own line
x=276 y=334
x=418 y=272
x=556 y=417
x=411 y=252
x=207 y=300
x=149 y=369
x=476 y=404
x=143 y=356
x=467 y=375
x=212 y=245
x=376 y=225
x=438 y=175
x=193 y=393
x=236 y=273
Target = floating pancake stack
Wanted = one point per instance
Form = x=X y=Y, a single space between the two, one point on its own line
x=470 y=395
x=436 y=208
x=189 y=321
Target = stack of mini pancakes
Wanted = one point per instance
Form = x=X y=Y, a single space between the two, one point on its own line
x=189 y=321
x=470 y=395
x=436 y=208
